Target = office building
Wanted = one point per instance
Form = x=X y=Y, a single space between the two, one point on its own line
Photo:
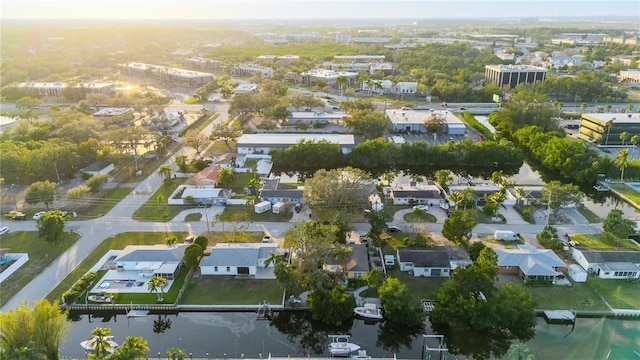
x=513 y=75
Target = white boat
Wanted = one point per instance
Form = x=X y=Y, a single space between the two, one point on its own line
x=369 y=311
x=90 y=345
x=340 y=345
x=102 y=298
x=601 y=187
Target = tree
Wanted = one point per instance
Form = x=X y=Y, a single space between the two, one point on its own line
x=134 y=347
x=195 y=140
x=331 y=306
x=399 y=305
x=458 y=226
x=635 y=140
x=369 y=123
x=225 y=177
x=624 y=136
x=608 y=125
x=225 y=133
x=78 y=193
x=157 y=284
x=435 y=124
x=443 y=178
x=617 y=225
x=338 y=188
x=99 y=341
x=622 y=161
x=583 y=106
x=175 y=353
x=35 y=330
x=192 y=253
x=96 y=181
x=51 y=226
x=41 y=191
x=469 y=300
x=557 y=195
x=202 y=241
x=342 y=81
x=28 y=103
x=183 y=164
x=171 y=240
x=165 y=171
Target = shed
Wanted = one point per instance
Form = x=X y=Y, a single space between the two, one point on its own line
x=577 y=273
x=278 y=207
x=98 y=168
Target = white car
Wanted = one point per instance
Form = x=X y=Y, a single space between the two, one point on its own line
x=37 y=215
x=4 y=230
x=266 y=239
x=421 y=207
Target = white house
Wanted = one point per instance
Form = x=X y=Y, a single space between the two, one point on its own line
x=263 y=143
x=151 y=260
x=609 y=264
x=98 y=168
x=239 y=259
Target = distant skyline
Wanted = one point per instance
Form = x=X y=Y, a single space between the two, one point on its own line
x=312 y=9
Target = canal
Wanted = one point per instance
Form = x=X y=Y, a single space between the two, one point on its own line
x=236 y=335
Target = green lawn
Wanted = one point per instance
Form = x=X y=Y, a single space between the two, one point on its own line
x=41 y=254
x=602 y=241
x=103 y=204
x=239 y=236
x=420 y=287
x=620 y=294
x=153 y=210
x=419 y=216
x=627 y=192
x=193 y=217
x=230 y=290
x=115 y=242
x=248 y=213
x=589 y=215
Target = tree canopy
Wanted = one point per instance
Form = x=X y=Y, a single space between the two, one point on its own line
x=339 y=188
x=51 y=226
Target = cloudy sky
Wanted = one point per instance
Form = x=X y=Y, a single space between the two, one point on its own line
x=310 y=9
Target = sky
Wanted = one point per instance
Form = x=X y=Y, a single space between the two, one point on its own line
x=311 y=9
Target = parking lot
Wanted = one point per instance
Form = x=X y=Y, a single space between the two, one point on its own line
x=430 y=139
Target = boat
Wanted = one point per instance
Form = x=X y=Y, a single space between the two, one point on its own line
x=601 y=187
x=369 y=311
x=101 y=298
x=109 y=341
x=340 y=345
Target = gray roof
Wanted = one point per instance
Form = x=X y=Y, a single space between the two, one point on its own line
x=292 y=194
x=531 y=261
x=151 y=253
x=421 y=194
x=358 y=261
x=425 y=257
x=97 y=166
x=240 y=255
x=599 y=257
x=457 y=253
x=620 y=266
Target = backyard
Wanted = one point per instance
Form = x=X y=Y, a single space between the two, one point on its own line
x=156 y=207
x=230 y=290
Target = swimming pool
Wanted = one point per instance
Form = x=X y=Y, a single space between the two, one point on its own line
x=5 y=259
x=635 y=186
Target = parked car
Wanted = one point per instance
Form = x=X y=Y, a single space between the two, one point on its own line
x=421 y=207
x=393 y=228
x=4 y=230
x=37 y=215
x=266 y=239
x=297 y=207
x=11 y=214
x=20 y=216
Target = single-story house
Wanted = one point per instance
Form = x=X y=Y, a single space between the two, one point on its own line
x=480 y=192
x=274 y=192
x=425 y=194
x=357 y=263
x=207 y=176
x=424 y=261
x=152 y=260
x=458 y=256
x=239 y=259
x=414 y=121
x=263 y=143
x=203 y=194
x=530 y=263
x=609 y=264
x=98 y=168
x=309 y=117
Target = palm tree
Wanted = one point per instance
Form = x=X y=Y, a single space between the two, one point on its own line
x=342 y=81
x=157 y=284
x=583 y=106
x=457 y=197
x=165 y=171
x=370 y=85
x=607 y=107
x=635 y=140
x=622 y=161
x=520 y=194
x=630 y=107
x=99 y=336
x=274 y=258
x=175 y=353
x=134 y=347
x=624 y=136
x=608 y=125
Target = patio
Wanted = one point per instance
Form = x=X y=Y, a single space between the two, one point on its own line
x=124 y=282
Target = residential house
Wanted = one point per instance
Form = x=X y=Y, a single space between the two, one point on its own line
x=480 y=192
x=357 y=264
x=431 y=261
x=263 y=143
x=201 y=194
x=98 y=168
x=429 y=194
x=239 y=259
x=530 y=263
x=609 y=264
x=152 y=260
x=274 y=192
x=206 y=177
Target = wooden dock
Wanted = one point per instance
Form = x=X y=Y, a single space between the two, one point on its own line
x=567 y=316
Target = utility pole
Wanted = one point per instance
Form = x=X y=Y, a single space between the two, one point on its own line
x=57 y=176
x=206 y=216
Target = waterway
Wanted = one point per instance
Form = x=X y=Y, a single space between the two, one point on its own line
x=241 y=335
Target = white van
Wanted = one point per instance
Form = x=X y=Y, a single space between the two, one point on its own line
x=389 y=261
x=506 y=235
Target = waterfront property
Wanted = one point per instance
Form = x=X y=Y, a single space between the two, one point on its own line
x=239 y=259
x=531 y=263
x=609 y=264
x=437 y=261
x=355 y=265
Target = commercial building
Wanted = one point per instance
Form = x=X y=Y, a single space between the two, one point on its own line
x=414 y=121
x=164 y=73
x=201 y=63
x=327 y=76
x=513 y=75
x=630 y=76
x=263 y=143
x=309 y=117
x=360 y=58
x=56 y=89
x=605 y=129
x=251 y=69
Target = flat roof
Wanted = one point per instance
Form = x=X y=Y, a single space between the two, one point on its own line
x=292 y=139
x=520 y=68
x=62 y=85
x=316 y=115
x=418 y=117
x=169 y=70
x=329 y=74
x=617 y=118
